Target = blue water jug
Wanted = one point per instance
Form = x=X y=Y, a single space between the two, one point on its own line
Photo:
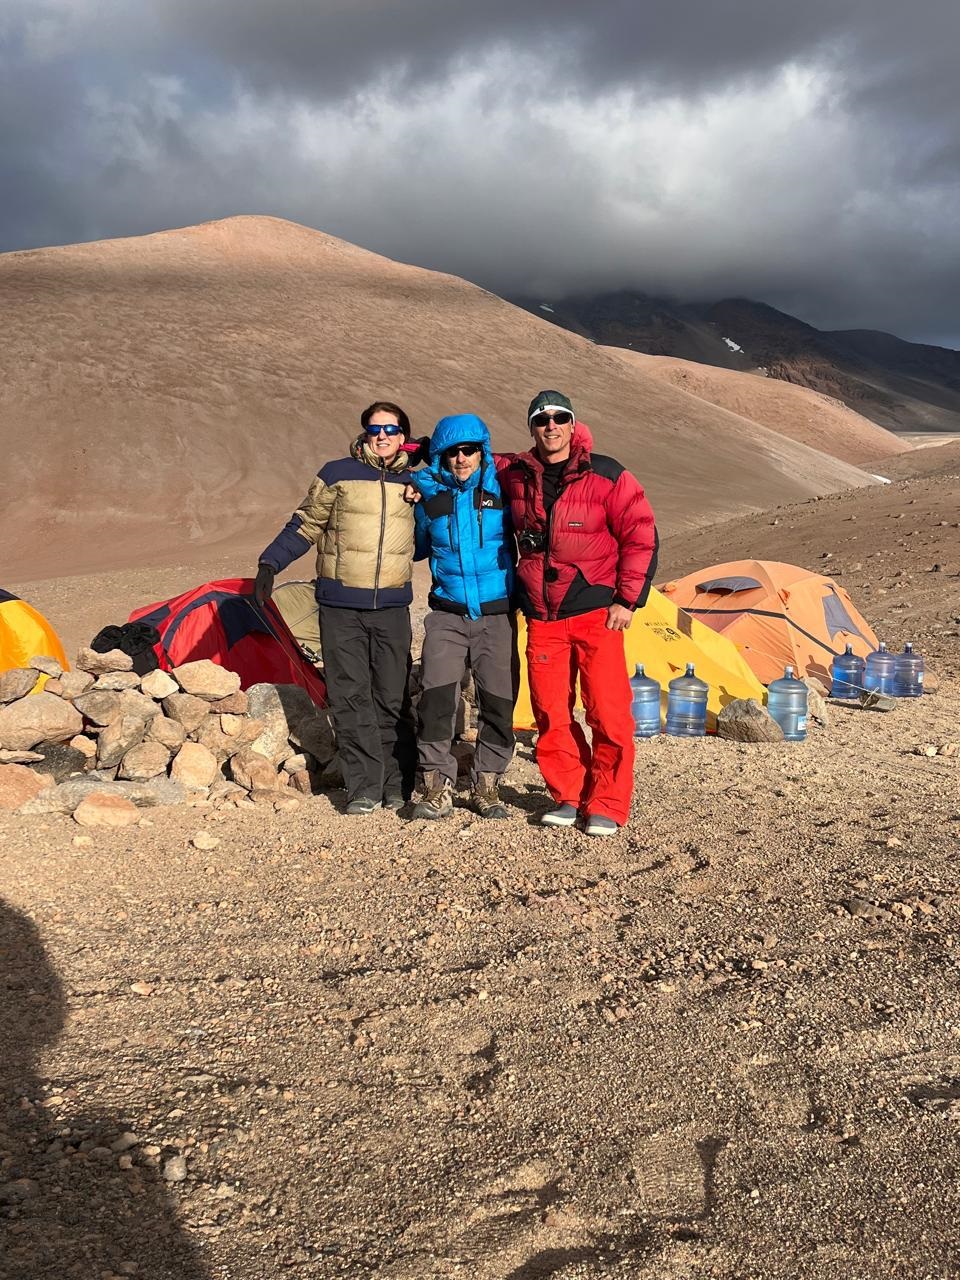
x=847 y=671
x=880 y=670
x=645 y=706
x=687 y=706
x=787 y=704
x=908 y=673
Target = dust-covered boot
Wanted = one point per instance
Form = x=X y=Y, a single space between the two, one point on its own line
x=437 y=799
x=485 y=797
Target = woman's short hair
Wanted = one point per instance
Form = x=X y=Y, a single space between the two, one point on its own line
x=385 y=406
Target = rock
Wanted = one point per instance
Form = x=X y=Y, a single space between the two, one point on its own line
x=314 y=734
x=186 y=710
x=931 y=682
x=18 y=1191
x=876 y=701
x=117 y=738
x=68 y=795
x=175 y=1169
x=205 y=840
x=296 y=763
x=124 y=1143
x=105 y=809
x=231 y=724
x=72 y=684
x=207 y=680
x=18 y=784
x=223 y=787
x=254 y=771
x=949 y=749
x=118 y=681
x=135 y=703
x=43 y=717
x=60 y=760
x=158 y=684
x=281 y=707
x=816 y=707
x=302 y=782
x=286 y=804
x=46 y=666
x=169 y=732
x=17 y=683
x=100 y=664
x=86 y=746
x=99 y=706
x=212 y=736
x=744 y=720
x=145 y=760
x=19 y=757
x=195 y=766
x=238 y=704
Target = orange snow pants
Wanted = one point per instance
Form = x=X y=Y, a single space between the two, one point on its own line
x=597 y=779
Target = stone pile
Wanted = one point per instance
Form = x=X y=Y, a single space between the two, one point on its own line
x=101 y=742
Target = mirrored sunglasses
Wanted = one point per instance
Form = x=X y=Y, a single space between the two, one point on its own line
x=388 y=428
x=561 y=418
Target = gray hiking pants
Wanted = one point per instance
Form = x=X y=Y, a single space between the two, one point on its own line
x=489 y=645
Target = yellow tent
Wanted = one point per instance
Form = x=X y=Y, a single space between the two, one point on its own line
x=26 y=634
x=665 y=639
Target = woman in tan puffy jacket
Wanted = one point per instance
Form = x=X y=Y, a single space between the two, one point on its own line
x=356 y=516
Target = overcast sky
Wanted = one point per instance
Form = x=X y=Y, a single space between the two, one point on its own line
x=806 y=154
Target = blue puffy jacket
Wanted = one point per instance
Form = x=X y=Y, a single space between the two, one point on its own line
x=463 y=527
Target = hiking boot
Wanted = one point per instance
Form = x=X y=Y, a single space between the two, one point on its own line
x=485 y=798
x=437 y=799
x=565 y=815
x=598 y=824
x=393 y=800
x=362 y=806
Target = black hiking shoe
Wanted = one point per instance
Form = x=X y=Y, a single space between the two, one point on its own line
x=485 y=797
x=393 y=800
x=362 y=806
x=437 y=799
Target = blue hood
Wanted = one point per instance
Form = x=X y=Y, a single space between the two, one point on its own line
x=459 y=428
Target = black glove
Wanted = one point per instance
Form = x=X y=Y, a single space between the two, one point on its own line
x=421 y=453
x=263 y=584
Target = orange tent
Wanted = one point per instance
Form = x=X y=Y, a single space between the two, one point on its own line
x=778 y=615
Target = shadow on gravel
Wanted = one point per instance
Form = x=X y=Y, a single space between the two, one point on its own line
x=68 y=1206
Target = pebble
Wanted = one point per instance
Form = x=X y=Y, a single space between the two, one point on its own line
x=175 y=1169
x=204 y=840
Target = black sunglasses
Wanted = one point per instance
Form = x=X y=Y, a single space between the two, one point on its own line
x=388 y=428
x=561 y=418
x=468 y=450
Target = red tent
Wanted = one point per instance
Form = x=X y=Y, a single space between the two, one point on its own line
x=222 y=621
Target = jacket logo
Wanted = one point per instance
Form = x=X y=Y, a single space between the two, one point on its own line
x=487 y=500
x=574 y=524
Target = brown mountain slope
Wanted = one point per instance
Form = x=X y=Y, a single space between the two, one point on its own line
x=800 y=413
x=170 y=395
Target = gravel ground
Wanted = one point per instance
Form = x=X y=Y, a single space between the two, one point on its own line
x=723 y=1044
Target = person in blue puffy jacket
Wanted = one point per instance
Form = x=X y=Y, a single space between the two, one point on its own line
x=463 y=528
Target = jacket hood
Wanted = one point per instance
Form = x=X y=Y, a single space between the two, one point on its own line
x=458 y=428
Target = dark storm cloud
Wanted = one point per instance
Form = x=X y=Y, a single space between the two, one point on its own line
x=806 y=154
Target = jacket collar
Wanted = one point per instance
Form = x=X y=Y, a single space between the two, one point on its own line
x=362 y=452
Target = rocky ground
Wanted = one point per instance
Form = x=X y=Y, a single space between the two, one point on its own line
x=723 y=1044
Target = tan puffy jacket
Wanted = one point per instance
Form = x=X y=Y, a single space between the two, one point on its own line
x=356 y=516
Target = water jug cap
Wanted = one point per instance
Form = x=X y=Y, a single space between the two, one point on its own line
x=882 y=647
x=788 y=673
x=639 y=670
x=690 y=667
x=908 y=647
x=849 y=648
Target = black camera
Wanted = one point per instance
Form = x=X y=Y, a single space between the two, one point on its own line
x=532 y=540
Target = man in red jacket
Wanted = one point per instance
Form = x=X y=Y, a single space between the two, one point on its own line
x=588 y=552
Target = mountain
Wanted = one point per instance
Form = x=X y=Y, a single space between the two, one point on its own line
x=903 y=386
x=170 y=396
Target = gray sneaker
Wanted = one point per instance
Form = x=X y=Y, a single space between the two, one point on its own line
x=437 y=799
x=362 y=806
x=563 y=816
x=393 y=800
x=599 y=825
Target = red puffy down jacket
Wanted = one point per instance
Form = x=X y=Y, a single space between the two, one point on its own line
x=599 y=541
